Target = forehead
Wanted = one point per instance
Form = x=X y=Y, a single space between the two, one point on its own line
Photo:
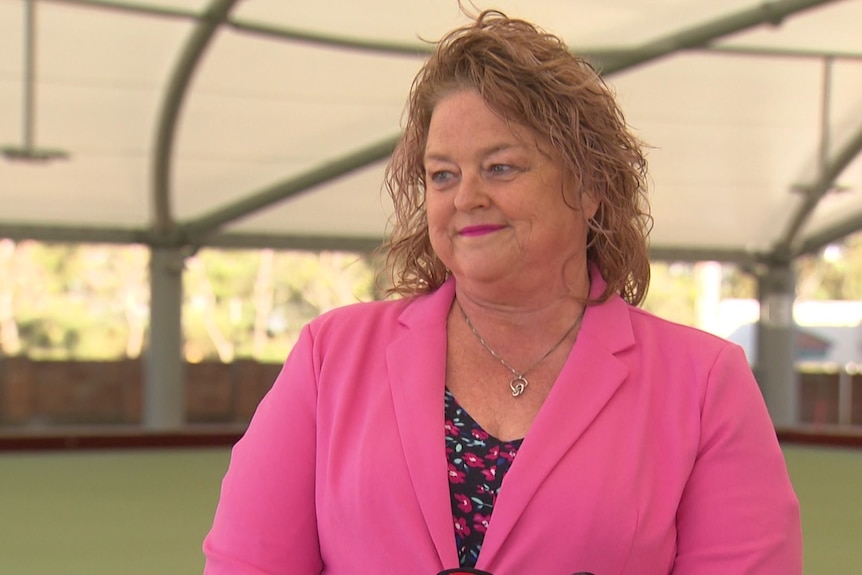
x=463 y=120
x=465 y=115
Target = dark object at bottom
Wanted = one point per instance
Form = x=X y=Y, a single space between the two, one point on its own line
x=469 y=571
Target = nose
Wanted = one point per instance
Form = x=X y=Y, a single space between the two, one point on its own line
x=472 y=192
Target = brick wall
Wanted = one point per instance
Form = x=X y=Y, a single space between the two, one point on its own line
x=83 y=393
x=818 y=398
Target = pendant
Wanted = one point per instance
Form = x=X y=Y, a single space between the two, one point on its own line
x=518 y=385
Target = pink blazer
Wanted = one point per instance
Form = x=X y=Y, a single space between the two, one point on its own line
x=653 y=454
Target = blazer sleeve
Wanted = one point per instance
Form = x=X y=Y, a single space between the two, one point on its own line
x=738 y=513
x=265 y=522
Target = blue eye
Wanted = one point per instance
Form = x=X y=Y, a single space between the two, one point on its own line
x=500 y=169
x=440 y=177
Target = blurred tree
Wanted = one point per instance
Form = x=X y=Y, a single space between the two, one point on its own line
x=10 y=342
x=61 y=301
x=244 y=303
x=737 y=283
x=833 y=274
x=673 y=292
x=65 y=310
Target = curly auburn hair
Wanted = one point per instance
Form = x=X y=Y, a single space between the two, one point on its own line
x=530 y=78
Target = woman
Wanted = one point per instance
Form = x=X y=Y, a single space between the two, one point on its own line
x=514 y=412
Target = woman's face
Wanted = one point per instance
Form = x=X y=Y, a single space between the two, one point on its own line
x=495 y=198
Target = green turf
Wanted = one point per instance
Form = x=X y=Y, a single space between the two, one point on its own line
x=117 y=513
x=146 y=512
x=828 y=482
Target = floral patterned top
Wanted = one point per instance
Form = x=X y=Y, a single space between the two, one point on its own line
x=477 y=464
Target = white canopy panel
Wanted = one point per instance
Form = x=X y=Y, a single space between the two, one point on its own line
x=267 y=122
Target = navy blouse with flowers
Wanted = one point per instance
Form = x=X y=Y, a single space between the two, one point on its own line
x=477 y=464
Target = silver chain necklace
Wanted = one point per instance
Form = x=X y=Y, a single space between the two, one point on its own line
x=519 y=383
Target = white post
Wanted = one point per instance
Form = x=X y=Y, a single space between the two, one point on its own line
x=164 y=374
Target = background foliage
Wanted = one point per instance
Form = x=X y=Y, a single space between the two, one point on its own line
x=60 y=301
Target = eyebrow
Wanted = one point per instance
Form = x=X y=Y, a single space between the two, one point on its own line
x=490 y=150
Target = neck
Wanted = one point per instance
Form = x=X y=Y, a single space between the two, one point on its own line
x=519 y=335
x=543 y=306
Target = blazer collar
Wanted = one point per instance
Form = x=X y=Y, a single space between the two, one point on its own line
x=417 y=371
x=589 y=379
x=416 y=360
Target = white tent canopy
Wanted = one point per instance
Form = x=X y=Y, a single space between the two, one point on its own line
x=267 y=122
x=186 y=123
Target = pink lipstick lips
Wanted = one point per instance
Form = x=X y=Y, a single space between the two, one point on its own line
x=472 y=231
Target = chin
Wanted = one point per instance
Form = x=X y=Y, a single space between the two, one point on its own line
x=478 y=275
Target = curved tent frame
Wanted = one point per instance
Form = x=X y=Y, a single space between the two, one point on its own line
x=754 y=111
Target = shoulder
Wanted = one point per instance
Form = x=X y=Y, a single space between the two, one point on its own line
x=382 y=320
x=649 y=328
x=401 y=313
x=673 y=347
x=622 y=326
x=359 y=318
x=362 y=311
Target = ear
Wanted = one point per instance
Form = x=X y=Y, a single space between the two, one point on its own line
x=578 y=196
x=589 y=203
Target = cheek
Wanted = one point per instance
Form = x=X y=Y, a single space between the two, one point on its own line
x=436 y=225
x=566 y=228
x=435 y=213
x=441 y=243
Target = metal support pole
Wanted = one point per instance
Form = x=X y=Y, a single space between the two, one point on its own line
x=776 y=345
x=29 y=115
x=164 y=374
x=27 y=151
x=845 y=397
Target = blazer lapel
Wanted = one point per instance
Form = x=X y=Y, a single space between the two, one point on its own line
x=417 y=374
x=588 y=381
